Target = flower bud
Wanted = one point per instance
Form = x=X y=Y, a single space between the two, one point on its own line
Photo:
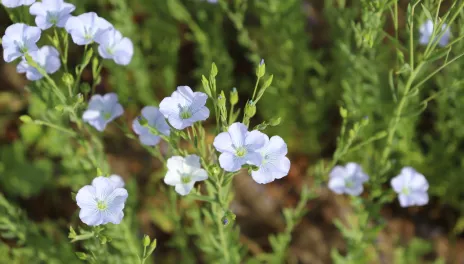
x=261 y=69
x=233 y=96
x=146 y=241
x=250 y=109
x=68 y=79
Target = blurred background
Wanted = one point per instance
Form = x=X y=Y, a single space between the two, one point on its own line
x=323 y=54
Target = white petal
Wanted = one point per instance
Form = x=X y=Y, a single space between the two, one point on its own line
x=262 y=176
x=198 y=101
x=184 y=189
x=237 y=132
x=419 y=183
x=117 y=181
x=168 y=107
x=355 y=190
x=179 y=123
x=276 y=146
x=397 y=183
x=405 y=200
x=138 y=128
x=86 y=197
x=201 y=114
x=255 y=140
x=114 y=217
x=254 y=158
x=116 y=200
x=337 y=185
x=230 y=162
x=175 y=163
x=103 y=187
x=90 y=115
x=223 y=143
x=37 y=9
x=199 y=175
x=193 y=161
x=91 y=217
x=420 y=198
x=149 y=139
x=172 y=178
x=283 y=167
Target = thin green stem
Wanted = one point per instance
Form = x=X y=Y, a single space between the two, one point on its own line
x=398 y=112
x=256 y=88
x=437 y=70
x=81 y=69
x=62 y=129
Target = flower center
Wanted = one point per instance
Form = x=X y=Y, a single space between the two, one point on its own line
x=102 y=205
x=405 y=190
x=107 y=116
x=349 y=183
x=21 y=47
x=185 y=114
x=87 y=33
x=52 y=17
x=110 y=50
x=186 y=179
x=240 y=152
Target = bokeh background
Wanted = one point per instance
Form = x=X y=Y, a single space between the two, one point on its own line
x=321 y=58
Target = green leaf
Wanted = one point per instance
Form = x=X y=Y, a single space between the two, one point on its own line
x=427 y=12
x=25 y=119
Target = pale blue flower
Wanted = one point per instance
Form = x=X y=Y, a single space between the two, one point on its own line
x=426 y=33
x=16 y=3
x=50 y=13
x=114 y=46
x=184 y=107
x=184 y=172
x=102 y=110
x=117 y=181
x=18 y=40
x=46 y=57
x=102 y=202
x=212 y=1
x=86 y=28
x=411 y=187
x=348 y=179
x=275 y=164
x=156 y=120
x=238 y=146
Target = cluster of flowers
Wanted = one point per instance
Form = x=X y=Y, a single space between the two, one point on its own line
x=21 y=39
x=410 y=185
x=182 y=109
x=103 y=201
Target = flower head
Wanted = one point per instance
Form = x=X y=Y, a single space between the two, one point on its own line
x=155 y=120
x=46 y=57
x=102 y=202
x=275 y=164
x=16 y=3
x=426 y=31
x=348 y=179
x=184 y=172
x=102 y=110
x=184 y=107
x=86 y=28
x=50 y=13
x=18 y=40
x=411 y=187
x=239 y=146
x=114 y=46
x=117 y=181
